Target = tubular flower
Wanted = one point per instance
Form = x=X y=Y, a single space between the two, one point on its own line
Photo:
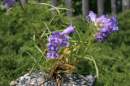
x=105 y=25
x=58 y=40
x=68 y=30
x=92 y=16
x=8 y=3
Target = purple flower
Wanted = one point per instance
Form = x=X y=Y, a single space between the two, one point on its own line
x=65 y=41
x=68 y=30
x=52 y=55
x=102 y=20
x=92 y=16
x=105 y=30
x=65 y=37
x=114 y=24
x=56 y=34
x=52 y=47
x=65 y=44
x=58 y=40
x=99 y=37
x=53 y=40
x=104 y=24
x=8 y=3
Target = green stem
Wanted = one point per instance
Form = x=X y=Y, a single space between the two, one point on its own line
x=94 y=62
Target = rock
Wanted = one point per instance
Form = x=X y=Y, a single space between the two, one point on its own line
x=90 y=80
x=40 y=79
x=13 y=83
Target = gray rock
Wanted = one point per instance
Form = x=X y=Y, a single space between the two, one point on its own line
x=13 y=83
x=40 y=79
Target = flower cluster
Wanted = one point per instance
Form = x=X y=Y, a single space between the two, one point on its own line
x=58 y=40
x=104 y=24
x=8 y=3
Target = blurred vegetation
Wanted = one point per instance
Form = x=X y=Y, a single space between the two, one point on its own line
x=21 y=30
